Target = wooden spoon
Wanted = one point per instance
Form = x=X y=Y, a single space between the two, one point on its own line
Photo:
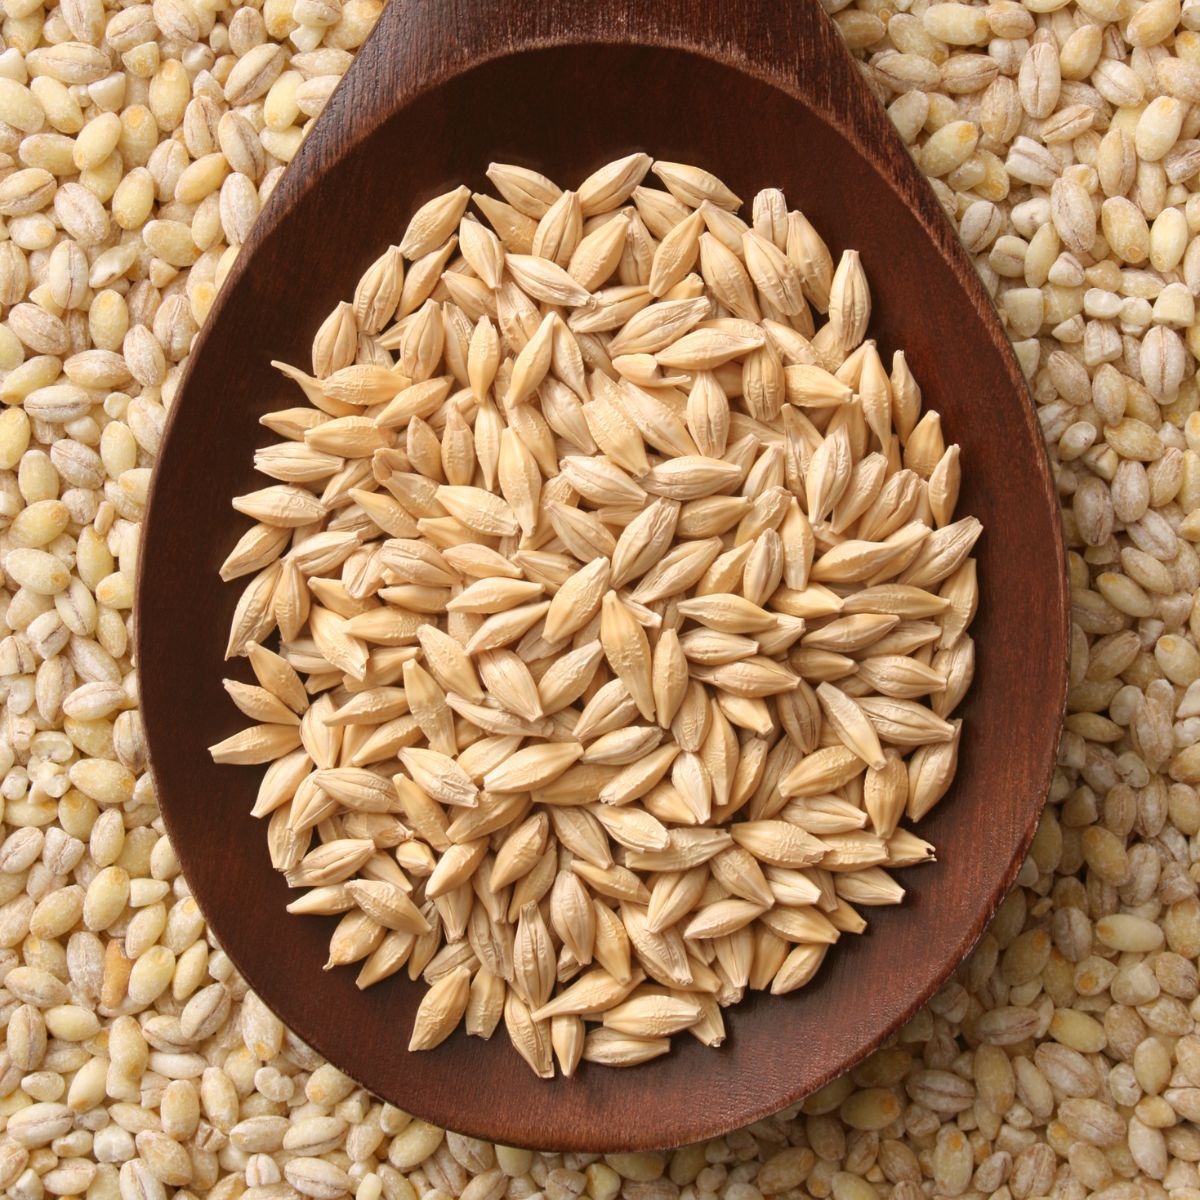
x=762 y=93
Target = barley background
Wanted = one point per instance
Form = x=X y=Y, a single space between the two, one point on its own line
x=137 y=146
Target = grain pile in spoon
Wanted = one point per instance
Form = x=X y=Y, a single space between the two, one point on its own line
x=621 y=611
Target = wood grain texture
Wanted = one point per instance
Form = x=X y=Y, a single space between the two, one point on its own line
x=763 y=94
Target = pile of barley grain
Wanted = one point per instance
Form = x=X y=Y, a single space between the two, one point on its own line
x=1062 y=1060
x=661 y=567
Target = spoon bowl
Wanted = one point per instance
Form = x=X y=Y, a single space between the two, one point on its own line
x=763 y=94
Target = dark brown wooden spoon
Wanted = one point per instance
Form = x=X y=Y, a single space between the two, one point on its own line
x=762 y=93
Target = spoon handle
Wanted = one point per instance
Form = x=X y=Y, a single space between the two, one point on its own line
x=418 y=44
